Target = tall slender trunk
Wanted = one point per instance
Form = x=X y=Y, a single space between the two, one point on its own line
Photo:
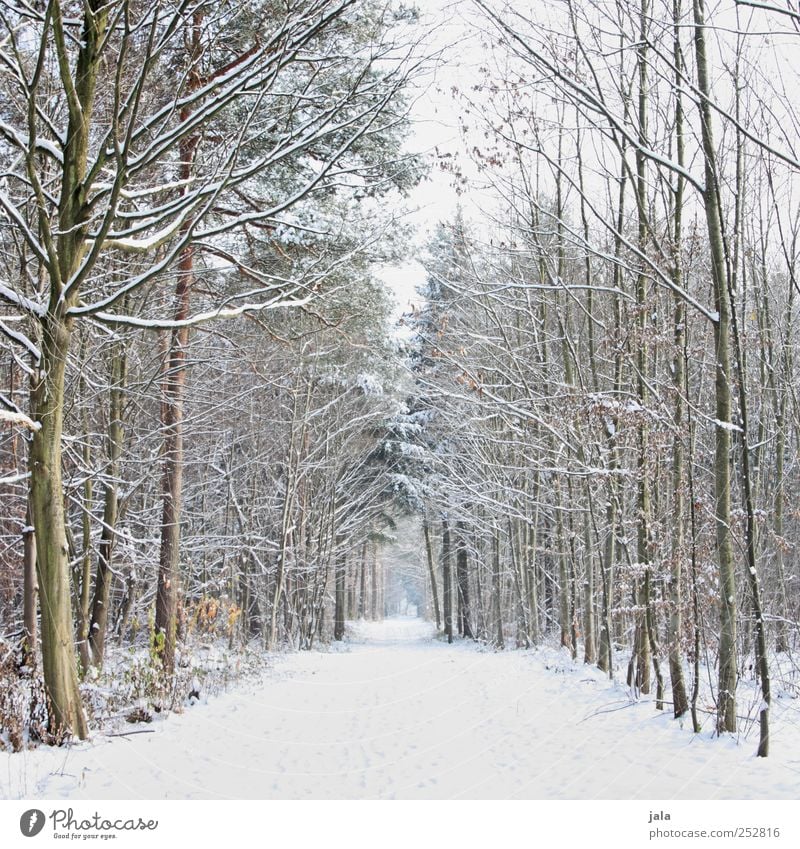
x=174 y=385
x=748 y=497
x=84 y=576
x=563 y=578
x=30 y=589
x=762 y=661
x=283 y=552
x=462 y=579
x=362 y=583
x=516 y=546
x=531 y=566
x=426 y=532
x=374 y=593
x=680 y=702
x=652 y=636
x=103 y=579
x=605 y=652
x=726 y=697
x=589 y=627
x=690 y=465
x=639 y=667
x=340 y=578
x=497 y=589
x=447 y=581
x=643 y=643
x=605 y=659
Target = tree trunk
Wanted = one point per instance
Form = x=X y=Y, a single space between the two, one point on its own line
x=462 y=576
x=59 y=662
x=639 y=670
x=374 y=591
x=652 y=636
x=563 y=580
x=497 y=589
x=30 y=590
x=174 y=385
x=84 y=577
x=642 y=644
x=531 y=566
x=431 y=572
x=339 y=596
x=680 y=701
x=589 y=642
x=103 y=580
x=726 y=697
x=362 y=583
x=172 y=477
x=65 y=249
x=447 y=591
x=605 y=654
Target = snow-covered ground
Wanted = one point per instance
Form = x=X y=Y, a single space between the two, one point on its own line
x=398 y=714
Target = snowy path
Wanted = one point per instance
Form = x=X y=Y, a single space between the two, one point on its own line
x=400 y=715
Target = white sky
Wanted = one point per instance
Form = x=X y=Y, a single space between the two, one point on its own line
x=444 y=25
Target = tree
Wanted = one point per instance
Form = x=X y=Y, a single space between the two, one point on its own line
x=142 y=178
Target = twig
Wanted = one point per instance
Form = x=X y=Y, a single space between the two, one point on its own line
x=129 y=733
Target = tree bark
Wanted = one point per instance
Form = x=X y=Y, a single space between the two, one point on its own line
x=426 y=532
x=174 y=385
x=497 y=589
x=30 y=590
x=462 y=576
x=339 y=596
x=726 y=697
x=59 y=662
x=65 y=251
x=374 y=590
x=84 y=577
x=680 y=701
x=103 y=580
x=362 y=583
x=447 y=585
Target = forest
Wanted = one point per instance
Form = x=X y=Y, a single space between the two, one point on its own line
x=583 y=432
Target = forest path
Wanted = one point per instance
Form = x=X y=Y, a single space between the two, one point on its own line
x=397 y=713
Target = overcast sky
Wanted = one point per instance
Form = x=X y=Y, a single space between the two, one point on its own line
x=445 y=29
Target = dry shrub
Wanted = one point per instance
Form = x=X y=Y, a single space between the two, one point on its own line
x=213 y=617
x=23 y=704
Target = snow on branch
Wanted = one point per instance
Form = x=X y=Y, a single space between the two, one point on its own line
x=20 y=419
x=151 y=242
x=203 y=317
x=12 y=479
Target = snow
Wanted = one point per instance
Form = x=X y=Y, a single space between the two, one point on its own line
x=369 y=384
x=727 y=426
x=14 y=297
x=12 y=479
x=397 y=713
x=151 y=242
x=17 y=418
